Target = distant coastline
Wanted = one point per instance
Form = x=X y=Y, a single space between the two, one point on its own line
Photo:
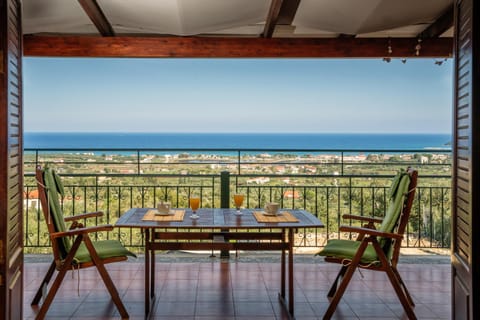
x=349 y=141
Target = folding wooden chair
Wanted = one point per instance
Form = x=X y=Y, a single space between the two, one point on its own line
x=73 y=248
x=375 y=249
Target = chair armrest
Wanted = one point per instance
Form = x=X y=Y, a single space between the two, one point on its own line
x=362 y=218
x=371 y=232
x=83 y=216
x=74 y=232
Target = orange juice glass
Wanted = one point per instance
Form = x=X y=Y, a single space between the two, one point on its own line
x=194 y=203
x=238 y=200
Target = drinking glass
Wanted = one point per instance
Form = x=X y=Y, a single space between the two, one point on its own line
x=238 y=200
x=194 y=204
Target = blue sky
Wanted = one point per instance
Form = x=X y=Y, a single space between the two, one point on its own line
x=237 y=95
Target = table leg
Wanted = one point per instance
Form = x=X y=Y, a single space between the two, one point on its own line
x=282 y=287
x=147 y=273
x=290 y=273
x=152 y=273
x=288 y=247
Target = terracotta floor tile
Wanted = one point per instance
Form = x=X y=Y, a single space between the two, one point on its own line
x=175 y=309
x=343 y=310
x=62 y=309
x=177 y=295
x=369 y=310
x=97 y=309
x=225 y=308
x=220 y=295
x=243 y=309
x=246 y=295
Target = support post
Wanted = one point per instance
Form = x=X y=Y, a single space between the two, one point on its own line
x=225 y=202
x=225 y=189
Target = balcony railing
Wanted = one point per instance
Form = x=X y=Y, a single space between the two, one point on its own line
x=327 y=183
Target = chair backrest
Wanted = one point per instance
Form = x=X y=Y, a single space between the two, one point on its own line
x=401 y=196
x=50 y=187
x=396 y=199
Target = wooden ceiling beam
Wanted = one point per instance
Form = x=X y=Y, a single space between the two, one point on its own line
x=95 y=13
x=272 y=18
x=288 y=11
x=210 y=47
x=346 y=35
x=441 y=25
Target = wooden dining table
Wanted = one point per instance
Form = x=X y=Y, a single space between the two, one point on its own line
x=220 y=229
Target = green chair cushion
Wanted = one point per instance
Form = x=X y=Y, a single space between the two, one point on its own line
x=105 y=249
x=53 y=188
x=397 y=199
x=394 y=185
x=58 y=183
x=346 y=249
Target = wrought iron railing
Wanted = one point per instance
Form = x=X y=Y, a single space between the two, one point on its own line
x=327 y=183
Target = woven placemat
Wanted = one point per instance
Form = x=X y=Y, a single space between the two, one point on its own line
x=284 y=216
x=151 y=216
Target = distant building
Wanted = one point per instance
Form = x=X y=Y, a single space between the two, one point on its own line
x=264 y=155
x=423 y=159
x=290 y=194
x=311 y=169
x=280 y=169
x=148 y=159
x=259 y=180
x=30 y=199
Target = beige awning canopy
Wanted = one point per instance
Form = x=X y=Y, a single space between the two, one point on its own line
x=305 y=22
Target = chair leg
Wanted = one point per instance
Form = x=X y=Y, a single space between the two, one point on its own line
x=113 y=291
x=340 y=291
x=334 y=286
x=400 y=293
x=345 y=280
x=58 y=280
x=404 y=287
x=45 y=281
x=106 y=278
x=51 y=294
x=395 y=280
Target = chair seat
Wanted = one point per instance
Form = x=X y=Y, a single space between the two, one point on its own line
x=105 y=249
x=346 y=249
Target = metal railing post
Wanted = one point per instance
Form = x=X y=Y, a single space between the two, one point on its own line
x=225 y=202
x=225 y=189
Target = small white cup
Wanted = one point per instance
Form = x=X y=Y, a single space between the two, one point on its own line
x=163 y=207
x=272 y=208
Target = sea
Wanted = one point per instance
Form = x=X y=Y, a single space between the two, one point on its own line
x=264 y=141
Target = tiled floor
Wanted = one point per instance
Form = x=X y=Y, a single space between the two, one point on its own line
x=241 y=289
